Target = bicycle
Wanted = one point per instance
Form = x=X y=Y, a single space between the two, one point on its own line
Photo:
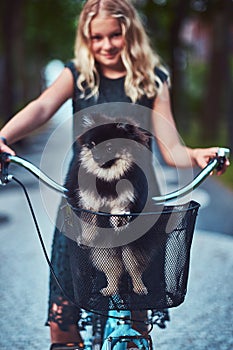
x=116 y=332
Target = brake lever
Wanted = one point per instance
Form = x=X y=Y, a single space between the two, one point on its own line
x=222 y=155
x=4 y=164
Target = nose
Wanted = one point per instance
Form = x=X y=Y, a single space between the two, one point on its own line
x=107 y=44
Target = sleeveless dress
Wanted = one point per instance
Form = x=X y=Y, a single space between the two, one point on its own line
x=111 y=93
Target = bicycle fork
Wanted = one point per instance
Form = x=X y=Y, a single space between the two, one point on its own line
x=119 y=333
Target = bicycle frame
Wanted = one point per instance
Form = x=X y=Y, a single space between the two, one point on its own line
x=118 y=329
x=119 y=333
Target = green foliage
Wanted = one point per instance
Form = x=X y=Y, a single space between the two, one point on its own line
x=47 y=31
x=33 y=33
x=226 y=178
x=50 y=28
x=195 y=86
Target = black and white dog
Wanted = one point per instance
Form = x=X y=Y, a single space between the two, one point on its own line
x=105 y=177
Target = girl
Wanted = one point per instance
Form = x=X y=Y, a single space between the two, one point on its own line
x=113 y=63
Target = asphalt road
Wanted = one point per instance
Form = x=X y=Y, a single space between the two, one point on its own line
x=203 y=321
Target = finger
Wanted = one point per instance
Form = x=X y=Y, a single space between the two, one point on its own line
x=215 y=149
x=202 y=163
x=224 y=167
x=212 y=151
x=7 y=149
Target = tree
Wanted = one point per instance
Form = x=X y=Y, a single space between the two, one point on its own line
x=33 y=32
x=166 y=20
x=13 y=88
x=219 y=69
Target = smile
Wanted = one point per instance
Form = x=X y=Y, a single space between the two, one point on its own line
x=110 y=54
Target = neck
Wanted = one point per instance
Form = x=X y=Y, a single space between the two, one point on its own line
x=113 y=73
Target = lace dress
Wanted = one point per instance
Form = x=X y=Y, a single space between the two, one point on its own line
x=61 y=310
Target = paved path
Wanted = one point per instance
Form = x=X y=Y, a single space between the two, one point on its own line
x=203 y=321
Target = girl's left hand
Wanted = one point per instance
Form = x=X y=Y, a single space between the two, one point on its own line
x=202 y=156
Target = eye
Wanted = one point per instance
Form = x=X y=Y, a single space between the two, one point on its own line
x=108 y=147
x=96 y=37
x=90 y=145
x=116 y=35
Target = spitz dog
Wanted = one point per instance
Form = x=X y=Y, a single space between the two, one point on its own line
x=105 y=177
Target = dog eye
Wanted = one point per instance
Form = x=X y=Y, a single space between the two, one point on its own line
x=109 y=147
x=91 y=145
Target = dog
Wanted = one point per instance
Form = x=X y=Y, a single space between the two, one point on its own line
x=105 y=177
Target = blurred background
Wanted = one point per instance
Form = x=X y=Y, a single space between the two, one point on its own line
x=195 y=40
x=193 y=37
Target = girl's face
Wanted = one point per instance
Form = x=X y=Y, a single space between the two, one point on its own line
x=107 y=43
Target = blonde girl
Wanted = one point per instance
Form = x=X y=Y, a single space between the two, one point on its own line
x=113 y=62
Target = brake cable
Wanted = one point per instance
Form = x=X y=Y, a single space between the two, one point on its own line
x=32 y=211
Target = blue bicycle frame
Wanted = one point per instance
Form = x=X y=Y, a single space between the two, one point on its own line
x=118 y=333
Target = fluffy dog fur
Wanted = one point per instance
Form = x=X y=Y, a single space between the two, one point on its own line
x=105 y=177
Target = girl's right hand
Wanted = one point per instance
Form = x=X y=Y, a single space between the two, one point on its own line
x=5 y=148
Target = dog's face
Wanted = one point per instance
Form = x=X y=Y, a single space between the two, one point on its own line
x=109 y=150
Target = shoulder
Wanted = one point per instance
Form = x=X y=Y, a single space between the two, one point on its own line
x=71 y=66
x=162 y=74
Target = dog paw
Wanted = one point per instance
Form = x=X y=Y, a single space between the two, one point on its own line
x=140 y=290
x=120 y=222
x=107 y=291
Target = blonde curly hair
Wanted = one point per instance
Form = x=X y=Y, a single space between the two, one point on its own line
x=137 y=56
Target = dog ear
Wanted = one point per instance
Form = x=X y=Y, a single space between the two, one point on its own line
x=88 y=121
x=136 y=133
x=95 y=119
x=144 y=137
x=147 y=138
x=140 y=135
x=122 y=125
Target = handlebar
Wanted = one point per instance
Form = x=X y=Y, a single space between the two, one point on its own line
x=215 y=163
x=5 y=177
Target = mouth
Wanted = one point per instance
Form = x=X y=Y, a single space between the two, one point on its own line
x=108 y=164
x=110 y=55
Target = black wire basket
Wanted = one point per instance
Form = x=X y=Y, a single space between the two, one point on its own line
x=130 y=261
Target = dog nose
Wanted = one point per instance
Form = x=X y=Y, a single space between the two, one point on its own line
x=96 y=157
x=95 y=154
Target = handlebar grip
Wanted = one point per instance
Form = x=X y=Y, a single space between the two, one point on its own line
x=222 y=155
x=4 y=164
x=223 y=152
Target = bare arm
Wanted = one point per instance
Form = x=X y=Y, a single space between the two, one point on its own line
x=175 y=153
x=39 y=111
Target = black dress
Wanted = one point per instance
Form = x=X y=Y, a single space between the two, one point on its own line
x=112 y=100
